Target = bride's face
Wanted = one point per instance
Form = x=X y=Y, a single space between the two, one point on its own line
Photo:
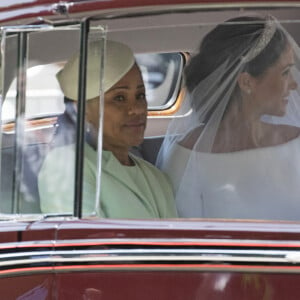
x=270 y=90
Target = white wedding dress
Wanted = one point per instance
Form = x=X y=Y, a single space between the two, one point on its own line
x=261 y=183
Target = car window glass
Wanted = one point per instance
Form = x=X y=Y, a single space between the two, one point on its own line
x=33 y=133
x=35 y=118
x=161 y=73
x=162 y=76
x=43 y=97
x=234 y=155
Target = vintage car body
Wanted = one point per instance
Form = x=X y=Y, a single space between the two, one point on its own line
x=72 y=257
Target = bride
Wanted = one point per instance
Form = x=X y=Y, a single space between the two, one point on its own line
x=237 y=154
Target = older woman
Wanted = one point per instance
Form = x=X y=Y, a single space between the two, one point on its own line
x=229 y=158
x=130 y=187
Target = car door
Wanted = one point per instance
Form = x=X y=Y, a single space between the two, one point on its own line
x=70 y=255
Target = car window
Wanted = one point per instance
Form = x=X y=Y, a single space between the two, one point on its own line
x=33 y=112
x=162 y=77
x=248 y=181
x=38 y=120
x=43 y=95
x=161 y=73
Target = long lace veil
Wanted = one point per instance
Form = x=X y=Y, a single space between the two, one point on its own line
x=223 y=144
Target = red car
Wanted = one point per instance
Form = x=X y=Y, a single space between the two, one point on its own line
x=70 y=256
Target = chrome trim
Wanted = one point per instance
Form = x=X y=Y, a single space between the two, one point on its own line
x=175 y=242
x=172 y=99
x=183 y=241
x=157 y=256
x=5 y=218
x=22 y=65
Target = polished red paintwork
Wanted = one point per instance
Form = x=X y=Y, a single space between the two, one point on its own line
x=157 y=280
x=39 y=286
x=167 y=285
x=152 y=285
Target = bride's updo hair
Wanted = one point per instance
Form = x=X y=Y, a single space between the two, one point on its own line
x=230 y=42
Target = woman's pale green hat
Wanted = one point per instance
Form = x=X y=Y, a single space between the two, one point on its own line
x=118 y=60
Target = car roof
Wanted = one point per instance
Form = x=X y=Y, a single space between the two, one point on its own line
x=14 y=10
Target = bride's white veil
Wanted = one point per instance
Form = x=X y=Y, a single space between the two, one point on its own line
x=215 y=117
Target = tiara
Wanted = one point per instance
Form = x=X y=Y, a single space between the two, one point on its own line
x=265 y=38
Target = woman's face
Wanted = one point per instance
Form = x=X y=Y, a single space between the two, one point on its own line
x=125 y=112
x=270 y=91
